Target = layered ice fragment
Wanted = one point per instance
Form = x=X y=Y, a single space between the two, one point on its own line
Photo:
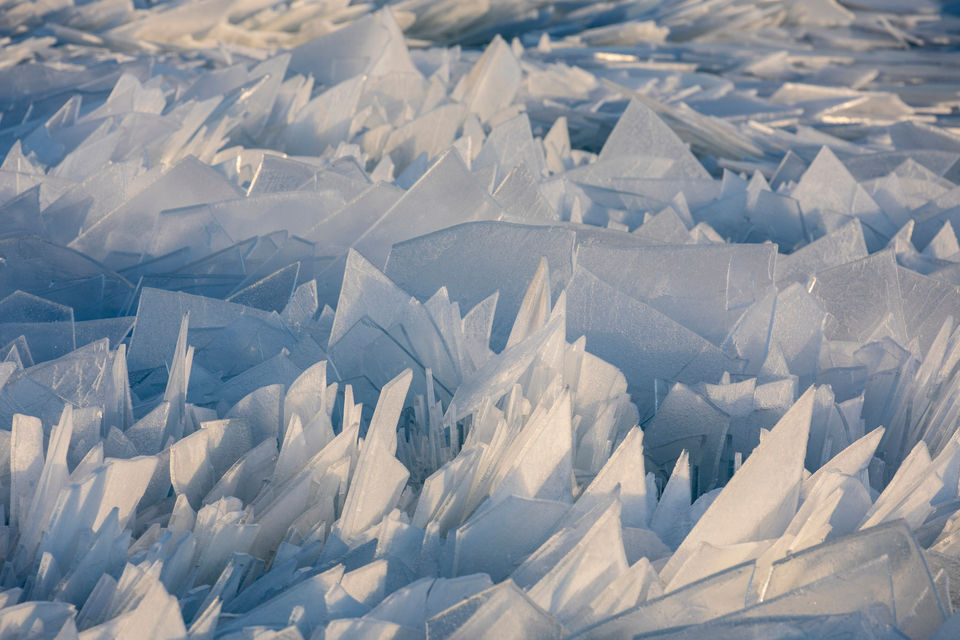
x=433 y=319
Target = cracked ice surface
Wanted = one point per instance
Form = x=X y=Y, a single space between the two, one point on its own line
x=508 y=319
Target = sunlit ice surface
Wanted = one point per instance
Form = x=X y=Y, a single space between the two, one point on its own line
x=519 y=319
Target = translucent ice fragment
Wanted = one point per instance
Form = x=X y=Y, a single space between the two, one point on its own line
x=21 y=214
x=62 y=275
x=276 y=611
x=749 y=338
x=154 y=335
x=210 y=227
x=303 y=305
x=446 y=194
x=247 y=476
x=917 y=606
x=366 y=584
x=39 y=619
x=503 y=610
x=796 y=334
x=841 y=246
x=519 y=194
x=493 y=81
x=114 y=329
x=429 y=134
x=704 y=600
x=834 y=509
x=827 y=188
x=586 y=570
x=271 y=293
x=611 y=322
x=860 y=296
x=567 y=542
x=366 y=292
x=121 y=231
x=636 y=584
x=687 y=421
x=664 y=228
x=855 y=589
x=556 y=145
x=324 y=121
x=53 y=479
x=500 y=373
x=761 y=498
x=927 y=302
x=308 y=395
x=343 y=628
x=707 y=560
x=539 y=461
x=493 y=541
x=372 y=45
x=535 y=306
x=191 y=471
x=468 y=258
x=379 y=477
x=640 y=132
x=702 y=288
x=26 y=464
x=511 y=145
x=917 y=135
x=260 y=409
x=669 y=519
x=623 y=469
x=413 y=604
x=851 y=461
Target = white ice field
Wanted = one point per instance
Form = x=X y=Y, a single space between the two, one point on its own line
x=459 y=319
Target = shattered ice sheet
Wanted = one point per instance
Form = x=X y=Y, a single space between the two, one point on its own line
x=511 y=319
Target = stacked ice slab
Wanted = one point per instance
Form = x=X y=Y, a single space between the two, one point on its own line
x=642 y=320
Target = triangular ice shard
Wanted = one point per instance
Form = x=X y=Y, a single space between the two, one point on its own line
x=640 y=132
x=775 y=469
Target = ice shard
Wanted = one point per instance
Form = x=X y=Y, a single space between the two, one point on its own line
x=518 y=318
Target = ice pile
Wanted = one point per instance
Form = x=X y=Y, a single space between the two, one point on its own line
x=340 y=320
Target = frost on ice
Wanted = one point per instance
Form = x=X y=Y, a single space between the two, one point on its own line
x=441 y=319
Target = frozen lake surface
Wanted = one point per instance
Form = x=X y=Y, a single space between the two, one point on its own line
x=498 y=319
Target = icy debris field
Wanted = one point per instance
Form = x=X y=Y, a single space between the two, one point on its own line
x=489 y=319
